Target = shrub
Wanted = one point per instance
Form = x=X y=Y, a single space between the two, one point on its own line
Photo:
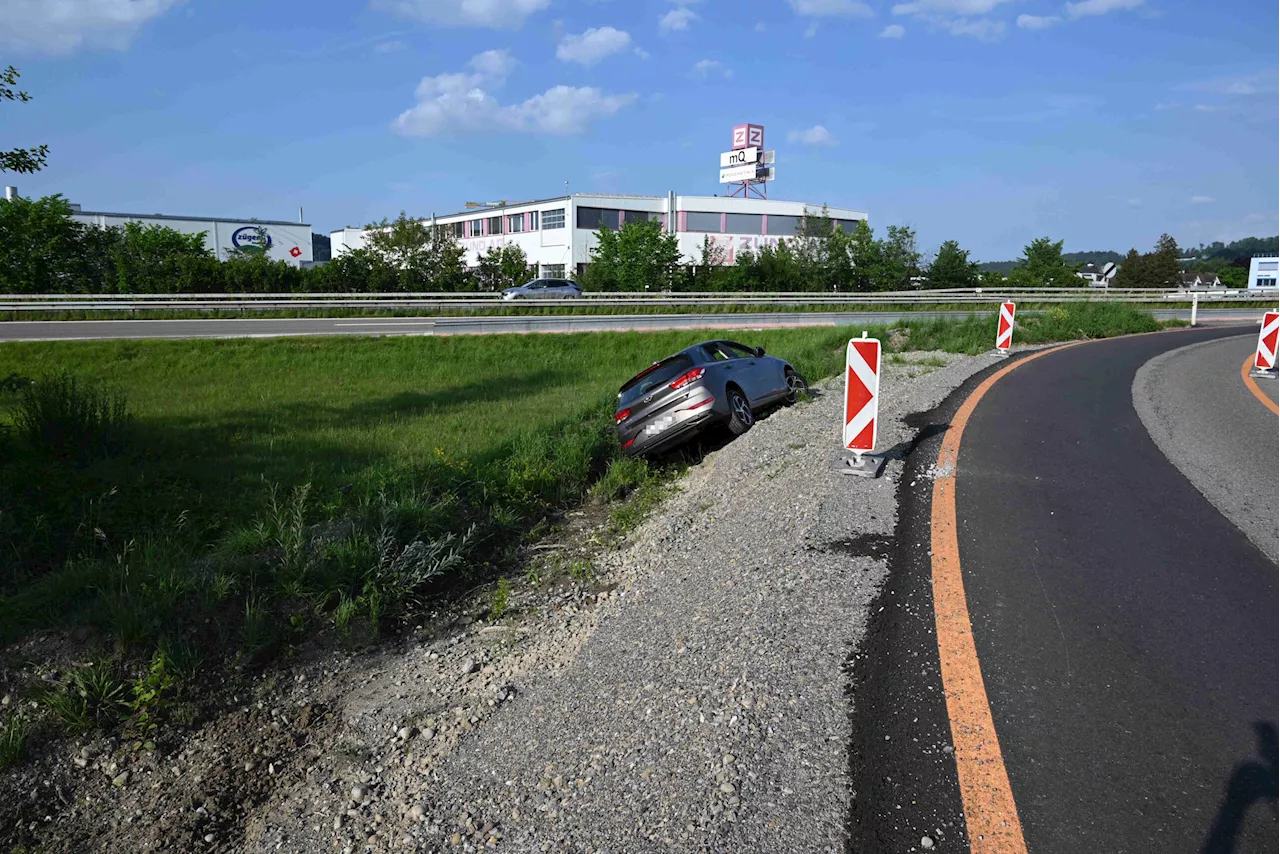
x=93 y=696
x=69 y=417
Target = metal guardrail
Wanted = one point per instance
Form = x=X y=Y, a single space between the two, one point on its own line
x=975 y=296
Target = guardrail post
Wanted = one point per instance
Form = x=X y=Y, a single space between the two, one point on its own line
x=1195 y=304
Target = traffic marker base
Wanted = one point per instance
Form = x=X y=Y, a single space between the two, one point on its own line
x=862 y=465
x=1260 y=374
x=1000 y=354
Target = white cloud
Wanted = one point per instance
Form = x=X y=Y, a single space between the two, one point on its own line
x=677 y=19
x=1135 y=203
x=390 y=46
x=983 y=29
x=1038 y=22
x=1167 y=105
x=1202 y=200
x=831 y=8
x=1088 y=8
x=956 y=16
x=1240 y=85
x=947 y=8
x=592 y=46
x=893 y=31
x=452 y=104
x=816 y=135
x=760 y=27
x=1204 y=108
x=62 y=26
x=704 y=67
x=494 y=14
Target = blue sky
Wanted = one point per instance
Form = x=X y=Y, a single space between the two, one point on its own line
x=1101 y=122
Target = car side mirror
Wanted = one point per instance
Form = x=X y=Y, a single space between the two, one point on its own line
x=759 y=351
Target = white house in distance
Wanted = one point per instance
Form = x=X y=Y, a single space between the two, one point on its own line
x=1098 y=278
x=557 y=235
x=1262 y=271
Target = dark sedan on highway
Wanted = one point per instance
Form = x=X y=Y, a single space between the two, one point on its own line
x=708 y=384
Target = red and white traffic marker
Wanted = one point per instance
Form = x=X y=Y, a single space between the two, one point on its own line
x=1264 y=360
x=1004 y=329
x=861 y=404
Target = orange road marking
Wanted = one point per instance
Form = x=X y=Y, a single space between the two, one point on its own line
x=1253 y=386
x=989 y=808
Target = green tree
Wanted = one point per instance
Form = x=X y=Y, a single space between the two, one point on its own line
x=1132 y=272
x=710 y=272
x=502 y=267
x=422 y=261
x=39 y=244
x=992 y=279
x=864 y=257
x=20 y=160
x=951 y=267
x=899 y=259
x=152 y=259
x=639 y=257
x=1163 y=269
x=1042 y=266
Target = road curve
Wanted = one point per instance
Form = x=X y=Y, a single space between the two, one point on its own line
x=1126 y=631
x=83 y=330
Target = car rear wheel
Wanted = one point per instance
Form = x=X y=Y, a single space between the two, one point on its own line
x=795 y=387
x=740 y=417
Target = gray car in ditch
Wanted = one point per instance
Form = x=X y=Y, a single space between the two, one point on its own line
x=709 y=384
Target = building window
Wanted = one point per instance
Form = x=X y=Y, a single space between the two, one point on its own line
x=639 y=216
x=515 y=223
x=848 y=226
x=708 y=222
x=553 y=271
x=786 y=226
x=1266 y=283
x=582 y=268
x=738 y=223
x=533 y=221
x=495 y=225
x=457 y=229
x=552 y=219
x=594 y=219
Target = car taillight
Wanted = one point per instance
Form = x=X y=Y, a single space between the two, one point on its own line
x=628 y=443
x=619 y=417
x=700 y=404
x=686 y=378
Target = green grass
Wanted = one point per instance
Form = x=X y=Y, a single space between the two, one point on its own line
x=272 y=489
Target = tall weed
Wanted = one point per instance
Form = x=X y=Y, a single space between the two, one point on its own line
x=72 y=418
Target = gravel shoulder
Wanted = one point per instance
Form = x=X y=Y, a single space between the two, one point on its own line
x=688 y=691
x=1214 y=431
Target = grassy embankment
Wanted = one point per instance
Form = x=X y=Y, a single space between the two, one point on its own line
x=259 y=491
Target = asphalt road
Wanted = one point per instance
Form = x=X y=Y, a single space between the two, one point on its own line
x=70 y=330
x=1126 y=629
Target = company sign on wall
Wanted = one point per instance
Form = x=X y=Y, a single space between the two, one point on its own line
x=252 y=239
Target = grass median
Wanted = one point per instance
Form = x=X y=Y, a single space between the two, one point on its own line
x=199 y=504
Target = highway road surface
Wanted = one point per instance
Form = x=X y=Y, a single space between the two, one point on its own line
x=72 y=330
x=1122 y=686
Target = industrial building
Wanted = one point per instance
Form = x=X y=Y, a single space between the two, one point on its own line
x=286 y=241
x=1263 y=271
x=557 y=235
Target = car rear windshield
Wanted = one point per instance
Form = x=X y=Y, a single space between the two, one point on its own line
x=650 y=378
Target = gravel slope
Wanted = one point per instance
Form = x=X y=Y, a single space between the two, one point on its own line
x=1201 y=416
x=701 y=705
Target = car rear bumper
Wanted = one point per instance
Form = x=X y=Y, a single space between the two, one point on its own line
x=683 y=426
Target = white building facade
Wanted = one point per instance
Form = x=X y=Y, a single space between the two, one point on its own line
x=1263 y=271
x=286 y=241
x=557 y=235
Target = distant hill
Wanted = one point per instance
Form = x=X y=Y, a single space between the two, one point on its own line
x=1098 y=257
